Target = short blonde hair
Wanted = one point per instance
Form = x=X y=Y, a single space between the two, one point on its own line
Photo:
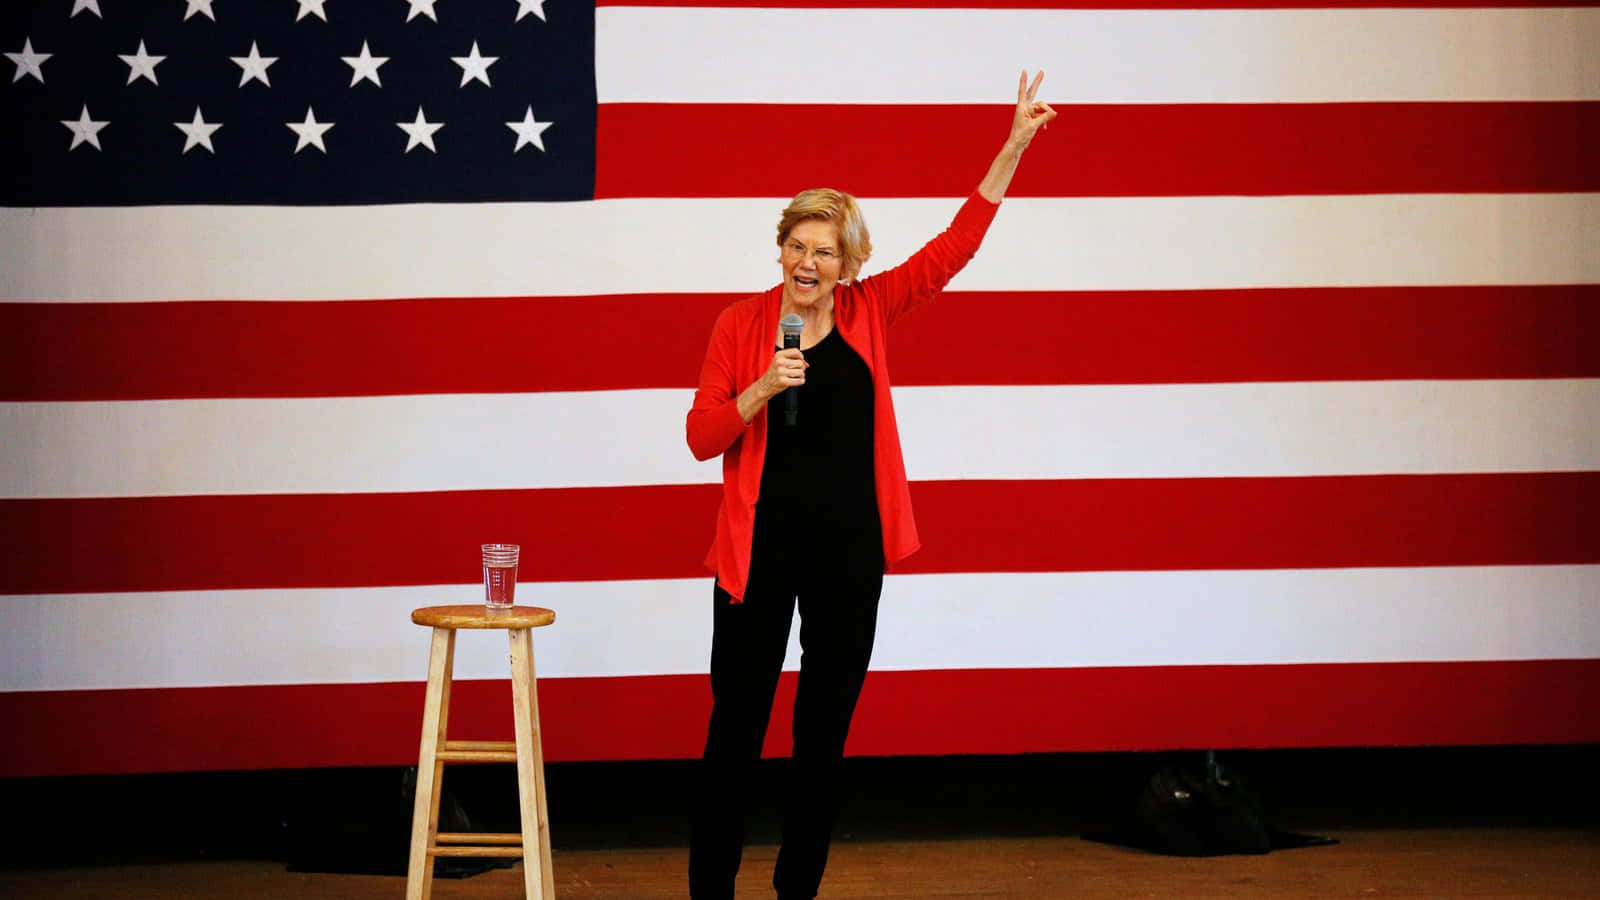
x=839 y=208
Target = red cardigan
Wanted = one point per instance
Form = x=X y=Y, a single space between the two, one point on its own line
x=741 y=349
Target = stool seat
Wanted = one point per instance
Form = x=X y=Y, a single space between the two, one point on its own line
x=532 y=843
x=480 y=616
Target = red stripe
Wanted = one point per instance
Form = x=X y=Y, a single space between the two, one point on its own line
x=991 y=711
x=139 y=351
x=135 y=351
x=1111 y=150
x=1286 y=334
x=222 y=542
x=1257 y=523
x=1099 y=4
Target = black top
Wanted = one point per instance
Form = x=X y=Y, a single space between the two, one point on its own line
x=817 y=475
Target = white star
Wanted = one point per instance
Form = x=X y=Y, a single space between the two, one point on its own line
x=531 y=6
x=198 y=132
x=528 y=131
x=312 y=7
x=365 y=66
x=28 y=62
x=253 y=66
x=84 y=129
x=310 y=132
x=199 y=6
x=425 y=7
x=420 y=132
x=79 y=6
x=474 y=67
x=141 y=65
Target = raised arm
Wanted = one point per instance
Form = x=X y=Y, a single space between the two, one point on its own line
x=1031 y=115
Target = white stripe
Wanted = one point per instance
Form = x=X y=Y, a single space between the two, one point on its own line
x=612 y=438
x=1094 y=56
x=89 y=641
x=637 y=245
x=1270 y=429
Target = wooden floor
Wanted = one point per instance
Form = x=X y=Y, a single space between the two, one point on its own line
x=1437 y=862
x=1447 y=822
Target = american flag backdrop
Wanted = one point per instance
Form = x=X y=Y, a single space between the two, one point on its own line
x=1267 y=416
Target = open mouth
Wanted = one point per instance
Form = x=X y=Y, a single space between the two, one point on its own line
x=805 y=282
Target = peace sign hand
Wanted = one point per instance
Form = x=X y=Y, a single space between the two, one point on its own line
x=1031 y=115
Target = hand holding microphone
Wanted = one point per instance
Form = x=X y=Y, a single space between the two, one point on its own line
x=787 y=370
x=791 y=326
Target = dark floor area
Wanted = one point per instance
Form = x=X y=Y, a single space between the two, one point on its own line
x=363 y=815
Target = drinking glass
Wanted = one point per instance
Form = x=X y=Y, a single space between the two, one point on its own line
x=500 y=575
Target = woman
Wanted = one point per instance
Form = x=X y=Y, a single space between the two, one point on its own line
x=814 y=511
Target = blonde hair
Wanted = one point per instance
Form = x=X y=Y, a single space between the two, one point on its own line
x=839 y=208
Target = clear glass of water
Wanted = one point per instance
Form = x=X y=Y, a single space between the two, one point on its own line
x=500 y=575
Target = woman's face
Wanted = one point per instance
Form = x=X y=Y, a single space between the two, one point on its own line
x=812 y=263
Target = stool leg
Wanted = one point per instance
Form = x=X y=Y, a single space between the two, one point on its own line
x=435 y=723
x=538 y=874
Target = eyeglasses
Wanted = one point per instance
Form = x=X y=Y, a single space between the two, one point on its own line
x=795 y=249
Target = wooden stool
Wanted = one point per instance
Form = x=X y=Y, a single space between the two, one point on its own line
x=533 y=844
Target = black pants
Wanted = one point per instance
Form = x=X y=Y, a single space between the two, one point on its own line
x=837 y=595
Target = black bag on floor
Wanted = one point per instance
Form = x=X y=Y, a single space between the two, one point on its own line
x=1189 y=810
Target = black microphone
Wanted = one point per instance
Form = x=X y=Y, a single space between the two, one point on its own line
x=791 y=326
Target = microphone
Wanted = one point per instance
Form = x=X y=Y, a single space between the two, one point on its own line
x=791 y=326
